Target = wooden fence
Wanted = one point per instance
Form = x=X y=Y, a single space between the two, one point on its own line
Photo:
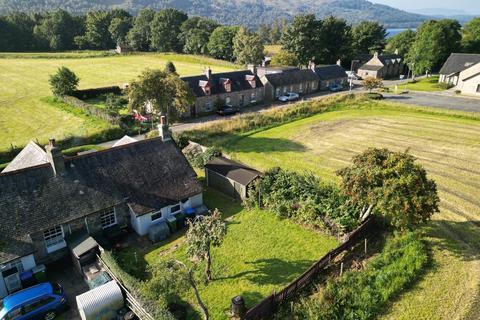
x=130 y=300
x=268 y=306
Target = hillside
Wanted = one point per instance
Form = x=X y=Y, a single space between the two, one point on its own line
x=247 y=12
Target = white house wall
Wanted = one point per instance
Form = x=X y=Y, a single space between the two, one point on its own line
x=28 y=263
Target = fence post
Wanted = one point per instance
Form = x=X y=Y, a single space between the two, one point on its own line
x=341 y=269
x=365 y=246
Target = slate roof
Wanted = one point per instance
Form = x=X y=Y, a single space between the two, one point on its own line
x=238 y=78
x=145 y=173
x=389 y=58
x=31 y=155
x=290 y=77
x=457 y=62
x=330 y=72
x=233 y=170
x=12 y=248
x=370 y=67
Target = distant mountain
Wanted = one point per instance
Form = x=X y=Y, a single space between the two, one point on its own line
x=442 y=13
x=246 y=12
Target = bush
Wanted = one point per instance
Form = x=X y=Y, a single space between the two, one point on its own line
x=374 y=96
x=63 y=82
x=75 y=150
x=445 y=86
x=305 y=198
x=199 y=160
x=362 y=295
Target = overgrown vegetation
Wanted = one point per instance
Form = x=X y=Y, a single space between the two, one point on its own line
x=363 y=295
x=306 y=199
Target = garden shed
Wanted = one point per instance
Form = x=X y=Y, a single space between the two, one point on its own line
x=230 y=177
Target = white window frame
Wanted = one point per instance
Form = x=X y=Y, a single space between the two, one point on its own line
x=300 y=87
x=208 y=106
x=179 y=208
x=107 y=222
x=57 y=242
x=253 y=97
x=277 y=92
x=12 y=264
x=228 y=100
x=159 y=215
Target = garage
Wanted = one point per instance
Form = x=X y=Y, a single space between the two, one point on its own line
x=230 y=177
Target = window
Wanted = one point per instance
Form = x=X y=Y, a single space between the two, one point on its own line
x=284 y=90
x=14 y=314
x=478 y=88
x=253 y=97
x=291 y=88
x=208 y=106
x=300 y=87
x=277 y=92
x=108 y=218
x=37 y=304
x=13 y=264
x=175 y=209
x=228 y=100
x=156 y=215
x=54 y=239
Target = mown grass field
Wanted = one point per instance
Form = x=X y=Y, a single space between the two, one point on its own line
x=424 y=84
x=446 y=143
x=260 y=253
x=26 y=115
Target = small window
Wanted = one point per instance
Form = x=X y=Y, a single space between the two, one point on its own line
x=228 y=100
x=54 y=239
x=108 y=218
x=277 y=92
x=284 y=90
x=156 y=215
x=253 y=97
x=37 y=304
x=208 y=106
x=300 y=87
x=478 y=88
x=14 y=314
x=175 y=209
x=13 y=264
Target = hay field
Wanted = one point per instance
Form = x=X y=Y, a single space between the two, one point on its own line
x=26 y=115
x=448 y=145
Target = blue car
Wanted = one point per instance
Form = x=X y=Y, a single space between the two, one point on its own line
x=43 y=301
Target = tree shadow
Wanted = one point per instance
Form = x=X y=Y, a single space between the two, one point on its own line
x=248 y=144
x=461 y=238
x=182 y=310
x=272 y=271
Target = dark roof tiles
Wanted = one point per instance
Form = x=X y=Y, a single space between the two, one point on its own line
x=233 y=170
x=457 y=62
x=291 y=77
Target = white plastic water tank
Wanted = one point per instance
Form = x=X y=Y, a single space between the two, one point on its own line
x=100 y=303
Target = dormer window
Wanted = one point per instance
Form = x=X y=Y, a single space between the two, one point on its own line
x=205 y=85
x=251 y=80
x=227 y=84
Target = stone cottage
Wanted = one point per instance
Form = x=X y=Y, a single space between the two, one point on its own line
x=236 y=88
x=138 y=184
x=382 y=66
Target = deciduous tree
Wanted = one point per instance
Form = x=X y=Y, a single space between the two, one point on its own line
x=140 y=36
x=58 y=29
x=401 y=42
x=284 y=58
x=203 y=234
x=195 y=34
x=64 y=82
x=302 y=38
x=220 y=44
x=165 y=29
x=368 y=37
x=97 y=35
x=471 y=36
x=119 y=28
x=165 y=92
x=371 y=83
x=247 y=47
x=392 y=185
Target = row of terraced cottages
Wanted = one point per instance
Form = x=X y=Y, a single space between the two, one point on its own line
x=258 y=84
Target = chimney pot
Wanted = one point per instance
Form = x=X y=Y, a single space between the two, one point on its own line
x=339 y=62
x=51 y=142
x=163 y=129
x=55 y=157
x=208 y=73
x=163 y=120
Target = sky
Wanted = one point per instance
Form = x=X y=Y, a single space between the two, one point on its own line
x=467 y=6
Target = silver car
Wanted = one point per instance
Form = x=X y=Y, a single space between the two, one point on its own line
x=290 y=96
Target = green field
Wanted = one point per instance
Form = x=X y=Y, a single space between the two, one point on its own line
x=424 y=84
x=447 y=144
x=26 y=115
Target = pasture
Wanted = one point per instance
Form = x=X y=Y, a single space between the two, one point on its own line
x=446 y=143
x=27 y=115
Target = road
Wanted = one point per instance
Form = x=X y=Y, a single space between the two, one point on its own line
x=436 y=100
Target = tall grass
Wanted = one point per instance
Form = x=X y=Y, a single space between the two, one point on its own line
x=363 y=295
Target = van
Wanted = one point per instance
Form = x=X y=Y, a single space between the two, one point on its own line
x=42 y=301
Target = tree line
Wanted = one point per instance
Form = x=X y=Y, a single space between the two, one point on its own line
x=425 y=50
x=167 y=30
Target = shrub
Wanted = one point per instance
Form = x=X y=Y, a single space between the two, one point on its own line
x=362 y=295
x=199 y=160
x=305 y=198
x=445 y=86
x=64 y=82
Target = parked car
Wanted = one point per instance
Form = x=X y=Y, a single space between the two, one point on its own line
x=335 y=87
x=352 y=75
x=291 y=96
x=227 y=110
x=42 y=301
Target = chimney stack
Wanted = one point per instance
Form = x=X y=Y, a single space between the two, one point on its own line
x=208 y=73
x=163 y=129
x=253 y=68
x=311 y=65
x=55 y=157
x=339 y=62
x=396 y=51
x=375 y=54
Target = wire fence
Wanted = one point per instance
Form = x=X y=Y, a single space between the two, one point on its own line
x=267 y=306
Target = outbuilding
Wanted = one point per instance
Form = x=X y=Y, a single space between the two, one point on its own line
x=230 y=177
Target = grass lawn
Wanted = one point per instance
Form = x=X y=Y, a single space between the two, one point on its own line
x=448 y=145
x=260 y=253
x=424 y=84
x=26 y=115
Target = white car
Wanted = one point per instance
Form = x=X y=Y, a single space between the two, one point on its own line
x=290 y=96
x=352 y=75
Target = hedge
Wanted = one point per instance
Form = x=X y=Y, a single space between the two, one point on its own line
x=90 y=109
x=95 y=92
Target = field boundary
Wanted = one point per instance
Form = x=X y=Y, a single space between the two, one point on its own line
x=267 y=306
